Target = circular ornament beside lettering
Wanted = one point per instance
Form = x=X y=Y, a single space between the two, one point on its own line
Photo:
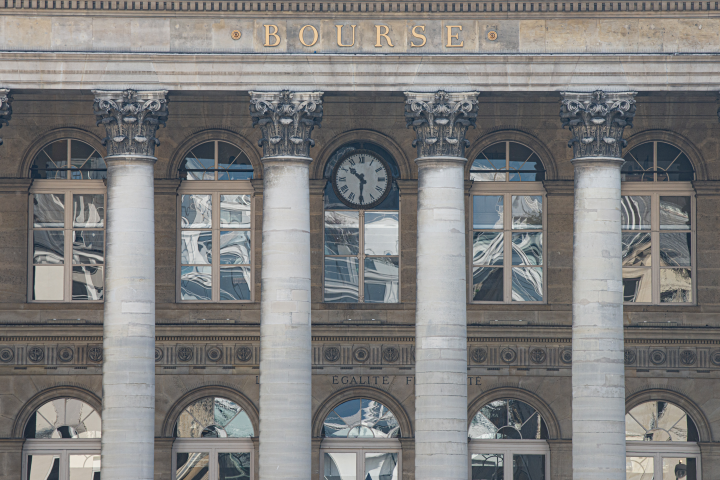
x=630 y=356
x=6 y=355
x=688 y=357
x=159 y=354
x=361 y=179
x=36 y=354
x=244 y=354
x=361 y=354
x=332 y=354
x=566 y=356
x=714 y=357
x=65 y=354
x=508 y=355
x=391 y=354
x=235 y=34
x=214 y=354
x=185 y=354
x=478 y=355
x=95 y=353
x=657 y=357
x=537 y=355
x=492 y=35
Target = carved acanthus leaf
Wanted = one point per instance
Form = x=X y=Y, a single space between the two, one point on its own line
x=5 y=108
x=286 y=120
x=131 y=119
x=440 y=120
x=597 y=121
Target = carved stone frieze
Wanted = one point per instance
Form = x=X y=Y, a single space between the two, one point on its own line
x=5 y=108
x=131 y=119
x=286 y=120
x=597 y=121
x=440 y=121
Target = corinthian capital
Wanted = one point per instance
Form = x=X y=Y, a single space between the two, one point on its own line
x=440 y=120
x=131 y=119
x=286 y=120
x=597 y=121
x=5 y=108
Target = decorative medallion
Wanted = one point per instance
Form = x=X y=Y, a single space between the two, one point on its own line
x=361 y=354
x=95 y=353
x=478 y=355
x=492 y=35
x=235 y=34
x=688 y=357
x=36 y=354
x=214 y=354
x=159 y=354
x=508 y=355
x=714 y=357
x=657 y=357
x=65 y=354
x=391 y=354
x=244 y=354
x=332 y=354
x=566 y=356
x=537 y=355
x=185 y=354
x=6 y=355
x=630 y=356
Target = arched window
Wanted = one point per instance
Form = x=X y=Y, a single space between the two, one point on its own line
x=508 y=252
x=658 y=225
x=215 y=245
x=508 y=442
x=362 y=235
x=661 y=443
x=68 y=159
x=212 y=441
x=361 y=442
x=62 y=441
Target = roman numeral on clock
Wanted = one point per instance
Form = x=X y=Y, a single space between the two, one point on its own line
x=378 y=188
x=341 y=179
x=344 y=188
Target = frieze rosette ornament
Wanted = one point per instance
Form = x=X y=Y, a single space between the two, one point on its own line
x=131 y=119
x=440 y=121
x=5 y=108
x=286 y=120
x=597 y=121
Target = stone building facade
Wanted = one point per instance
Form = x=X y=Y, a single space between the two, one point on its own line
x=195 y=286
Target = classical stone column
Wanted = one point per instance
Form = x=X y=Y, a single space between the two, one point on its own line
x=441 y=435
x=5 y=108
x=286 y=120
x=597 y=121
x=128 y=414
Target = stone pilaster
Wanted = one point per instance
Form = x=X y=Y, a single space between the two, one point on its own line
x=286 y=120
x=597 y=121
x=441 y=433
x=128 y=430
x=5 y=108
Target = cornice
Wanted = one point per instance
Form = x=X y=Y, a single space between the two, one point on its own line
x=559 y=187
x=166 y=186
x=706 y=187
x=15 y=185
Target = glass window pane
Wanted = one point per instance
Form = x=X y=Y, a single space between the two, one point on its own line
x=200 y=158
x=340 y=466
x=485 y=165
x=196 y=211
x=240 y=426
x=487 y=284
x=639 y=468
x=382 y=278
x=48 y=247
x=672 y=164
x=488 y=248
x=381 y=466
x=527 y=212
x=381 y=233
x=85 y=161
x=675 y=285
x=84 y=467
x=88 y=246
x=196 y=247
x=43 y=467
x=675 y=249
x=341 y=280
x=87 y=282
x=635 y=212
x=192 y=466
x=527 y=284
x=488 y=211
x=525 y=166
x=233 y=163
x=636 y=250
x=196 y=283
x=637 y=285
x=527 y=467
x=49 y=160
x=487 y=466
x=235 y=283
x=527 y=248
x=48 y=282
x=679 y=469
x=342 y=233
x=234 y=466
x=88 y=210
x=639 y=165
x=49 y=210
x=235 y=247
x=674 y=213
x=235 y=211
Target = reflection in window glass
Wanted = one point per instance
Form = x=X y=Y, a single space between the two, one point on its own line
x=508 y=419
x=679 y=468
x=342 y=233
x=527 y=212
x=196 y=283
x=192 y=466
x=507 y=161
x=64 y=418
x=213 y=417
x=659 y=421
x=361 y=418
x=528 y=467
x=216 y=160
x=381 y=466
x=235 y=211
x=488 y=248
x=675 y=285
x=527 y=284
x=43 y=467
x=639 y=468
x=487 y=284
x=48 y=210
x=488 y=211
x=339 y=466
x=487 y=466
x=342 y=280
x=675 y=213
x=381 y=233
x=234 y=466
x=382 y=280
x=637 y=285
x=635 y=212
x=68 y=160
x=657 y=161
x=84 y=467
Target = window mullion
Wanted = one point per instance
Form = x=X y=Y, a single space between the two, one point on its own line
x=507 y=247
x=655 y=246
x=68 y=229
x=215 y=238
x=361 y=256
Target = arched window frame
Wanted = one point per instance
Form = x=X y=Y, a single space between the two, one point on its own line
x=215 y=189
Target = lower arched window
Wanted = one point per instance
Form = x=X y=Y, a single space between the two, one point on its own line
x=508 y=442
x=661 y=441
x=62 y=442
x=213 y=442
x=360 y=442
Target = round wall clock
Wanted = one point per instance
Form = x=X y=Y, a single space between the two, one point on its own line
x=361 y=179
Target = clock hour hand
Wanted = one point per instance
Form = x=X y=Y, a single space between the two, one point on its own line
x=360 y=177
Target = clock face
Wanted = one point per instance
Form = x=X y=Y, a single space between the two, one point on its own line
x=361 y=179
